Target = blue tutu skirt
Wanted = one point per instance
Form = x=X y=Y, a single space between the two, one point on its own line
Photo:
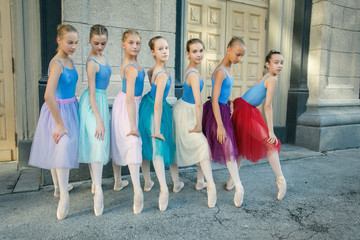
x=154 y=148
x=45 y=153
x=90 y=148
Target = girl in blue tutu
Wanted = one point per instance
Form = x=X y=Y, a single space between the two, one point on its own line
x=55 y=144
x=94 y=138
x=155 y=122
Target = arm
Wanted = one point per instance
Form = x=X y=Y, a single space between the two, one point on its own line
x=130 y=75
x=160 y=88
x=91 y=70
x=219 y=78
x=193 y=81
x=55 y=71
x=270 y=88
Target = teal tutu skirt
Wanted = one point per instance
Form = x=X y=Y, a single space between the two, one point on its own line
x=91 y=149
x=154 y=148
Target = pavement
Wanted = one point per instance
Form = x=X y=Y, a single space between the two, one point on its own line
x=322 y=202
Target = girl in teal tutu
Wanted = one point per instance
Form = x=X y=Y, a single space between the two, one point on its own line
x=94 y=136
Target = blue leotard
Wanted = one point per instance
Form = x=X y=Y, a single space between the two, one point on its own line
x=226 y=87
x=188 y=95
x=139 y=81
x=102 y=78
x=167 y=87
x=67 y=81
x=256 y=94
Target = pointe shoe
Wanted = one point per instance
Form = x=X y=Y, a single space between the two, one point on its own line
x=120 y=185
x=229 y=185
x=148 y=186
x=239 y=196
x=163 y=200
x=57 y=190
x=211 y=192
x=281 y=184
x=63 y=206
x=98 y=201
x=138 y=202
x=200 y=185
x=177 y=187
x=93 y=188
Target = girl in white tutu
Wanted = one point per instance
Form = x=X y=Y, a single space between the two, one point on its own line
x=125 y=138
x=94 y=138
x=191 y=144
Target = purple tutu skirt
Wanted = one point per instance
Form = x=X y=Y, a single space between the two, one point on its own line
x=220 y=153
x=45 y=153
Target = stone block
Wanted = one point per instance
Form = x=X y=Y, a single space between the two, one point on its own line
x=114 y=51
x=318 y=62
x=168 y=16
x=24 y=147
x=72 y=10
x=342 y=40
x=351 y=19
x=356 y=65
x=348 y=3
x=334 y=68
x=29 y=180
x=319 y=37
x=337 y=17
x=320 y=13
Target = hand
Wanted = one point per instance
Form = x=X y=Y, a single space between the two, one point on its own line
x=159 y=136
x=196 y=129
x=221 y=134
x=100 y=131
x=60 y=130
x=272 y=139
x=133 y=132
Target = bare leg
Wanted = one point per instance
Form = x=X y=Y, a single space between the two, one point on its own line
x=174 y=171
x=96 y=169
x=200 y=184
x=211 y=188
x=146 y=174
x=138 y=194
x=64 y=202
x=234 y=173
x=274 y=161
x=119 y=183
x=164 y=191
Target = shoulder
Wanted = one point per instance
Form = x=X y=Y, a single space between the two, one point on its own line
x=270 y=81
x=220 y=74
x=55 y=66
x=92 y=63
x=192 y=76
x=130 y=69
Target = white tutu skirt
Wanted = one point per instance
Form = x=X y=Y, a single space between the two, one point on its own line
x=191 y=148
x=124 y=150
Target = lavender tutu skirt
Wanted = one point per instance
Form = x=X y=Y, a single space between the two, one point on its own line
x=45 y=153
x=220 y=153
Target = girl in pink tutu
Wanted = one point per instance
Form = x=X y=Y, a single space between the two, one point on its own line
x=216 y=121
x=255 y=139
x=126 y=144
x=55 y=144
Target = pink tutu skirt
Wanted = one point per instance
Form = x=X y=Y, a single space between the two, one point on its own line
x=220 y=153
x=251 y=132
x=124 y=150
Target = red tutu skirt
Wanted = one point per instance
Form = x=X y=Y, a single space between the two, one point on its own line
x=251 y=132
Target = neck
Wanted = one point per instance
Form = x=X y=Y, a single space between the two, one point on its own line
x=271 y=73
x=62 y=54
x=130 y=58
x=226 y=61
x=159 y=63
x=194 y=65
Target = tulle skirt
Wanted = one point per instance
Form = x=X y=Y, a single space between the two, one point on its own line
x=45 y=153
x=124 y=149
x=154 y=148
x=191 y=148
x=91 y=149
x=220 y=153
x=251 y=132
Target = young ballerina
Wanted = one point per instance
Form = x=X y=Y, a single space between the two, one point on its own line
x=55 y=144
x=126 y=144
x=216 y=121
x=94 y=135
x=191 y=144
x=155 y=122
x=255 y=139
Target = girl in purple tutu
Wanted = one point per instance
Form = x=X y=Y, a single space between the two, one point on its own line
x=255 y=139
x=216 y=121
x=55 y=144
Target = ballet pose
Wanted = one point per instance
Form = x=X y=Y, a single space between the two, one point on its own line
x=55 y=144
x=126 y=144
x=191 y=144
x=94 y=138
x=216 y=121
x=255 y=139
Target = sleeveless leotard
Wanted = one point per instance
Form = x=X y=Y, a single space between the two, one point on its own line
x=102 y=78
x=67 y=81
x=188 y=95
x=139 y=82
x=226 y=87
x=167 y=87
x=256 y=94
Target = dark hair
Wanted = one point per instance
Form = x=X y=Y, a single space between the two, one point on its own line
x=153 y=40
x=129 y=32
x=64 y=28
x=192 y=41
x=98 y=30
x=236 y=40
x=271 y=52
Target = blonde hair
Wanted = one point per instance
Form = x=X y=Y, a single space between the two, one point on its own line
x=129 y=32
x=64 y=28
x=236 y=40
x=98 y=30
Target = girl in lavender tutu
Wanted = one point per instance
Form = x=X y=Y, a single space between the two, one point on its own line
x=55 y=144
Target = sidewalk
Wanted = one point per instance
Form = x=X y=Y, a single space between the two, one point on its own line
x=322 y=202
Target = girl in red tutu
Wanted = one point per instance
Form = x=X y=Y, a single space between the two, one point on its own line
x=255 y=139
x=216 y=121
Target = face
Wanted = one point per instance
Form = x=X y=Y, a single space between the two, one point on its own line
x=68 y=43
x=161 y=50
x=196 y=53
x=276 y=64
x=98 y=43
x=236 y=52
x=132 y=44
